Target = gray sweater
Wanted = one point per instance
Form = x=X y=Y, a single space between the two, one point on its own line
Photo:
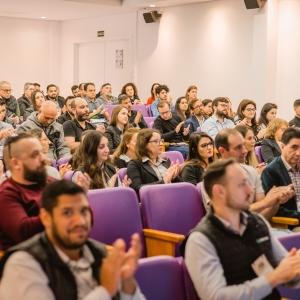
x=58 y=147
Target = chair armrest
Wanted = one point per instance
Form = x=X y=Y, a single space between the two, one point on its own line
x=161 y=242
x=282 y=222
x=108 y=247
x=1 y=254
x=164 y=146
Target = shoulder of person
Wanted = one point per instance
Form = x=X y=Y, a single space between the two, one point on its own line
x=110 y=167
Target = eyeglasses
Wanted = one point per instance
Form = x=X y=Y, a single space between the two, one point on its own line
x=157 y=142
x=224 y=105
x=198 y=106
x=7 y=91
x=250 y=109
x=165 y=113
x=205 y=145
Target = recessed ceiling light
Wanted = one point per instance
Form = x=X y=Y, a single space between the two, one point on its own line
x=152 y=5
x=43 y=17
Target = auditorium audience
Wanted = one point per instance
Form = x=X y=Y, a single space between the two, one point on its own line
x=95 y=152
x=267 y=114
x=171 y=129
x=82 y=92
x=246 y=114
x=225 y=254
x=191 y=93
x=149 y=167
x=130 y=90
x=201 y=154
x=126 y=150
x=97 y=109
x=220 y=119
x=207 y=108
x=117 y=127
x=135 y=117
x=153 y=94
x=37 y=99
x=182 y=108
x=68 y=114
x=75 y=90
x=270 y=145
x=24 y=100
x=106 y=95
x=52 y=95
x=62 y=262
x=296 y=120
x=46 y=120
x=161 y=93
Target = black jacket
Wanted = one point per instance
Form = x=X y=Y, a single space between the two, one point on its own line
x=120 y=163
x=269 y=150
x=24 y=103
x=141 y=174
x=64 y=118
x=60 y=100
x=192 y=174
x=295 y=121
x=142 y=124
x=113 y=134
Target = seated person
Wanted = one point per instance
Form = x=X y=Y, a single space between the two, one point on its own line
x=267 y=114
x=24 y=100
x=196 y=120
x=270 y=145
x=161 y=93
x=153 y=94
x=73 y=129
x=296 y=120
x=62 y=262
x=170 y=127
x=126 y=150
x=106 y=95
x=207 y=108
x=95 y=153
x=130 y=90
x=5 y=128
x=135 y=117
x=233 y=253
x=149 y=167
x=182 y=109
x=117 y=127
x=68 y=114
x=46 y=120
x=201 y=154
x=37 y=100
x=285 y=170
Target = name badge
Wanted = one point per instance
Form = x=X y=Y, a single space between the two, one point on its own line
x=261 y=266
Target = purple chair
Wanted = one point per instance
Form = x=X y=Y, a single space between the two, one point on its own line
x=116 y=214
x=63 y=160
x=122 y=173
x=110 y=108
x=173 y=156
x=149 y=110
x=257 y=151
x=171 y=207
x=141 y=107
x=151 y=125
x=53 y=162
x=148 y=120
x=69 y=175
x=161 y=278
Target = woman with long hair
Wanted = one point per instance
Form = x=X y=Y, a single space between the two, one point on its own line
x=37 y=100
x=117 y=127
x=191 y=93
x=130 y=90
x=201 y=154
x=126 y=150
x=153 y=93
x=182 y=108
x=230 y=113
x=267 y=114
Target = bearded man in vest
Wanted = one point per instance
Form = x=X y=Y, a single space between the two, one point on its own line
x=232 y=253
x=62 y=263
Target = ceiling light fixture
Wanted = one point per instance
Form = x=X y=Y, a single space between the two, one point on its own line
x=43 y=17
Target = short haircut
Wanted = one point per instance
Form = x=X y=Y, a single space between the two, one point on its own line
x=74 y=87
x=80 y=85
x=290 y=133
x=87 y=84
x=105 y=84
x=162 y=103
x=69 y=98
x=56 y=189
x=219 y=99
x=3 y=82
x=2 y=102
x=160 y=88
x=36 y=132
x=50 y=86
x=221 y=139
x=216 y=174
x=297 y=103
x=122 y=97
x=27 y=84
x=37 y=84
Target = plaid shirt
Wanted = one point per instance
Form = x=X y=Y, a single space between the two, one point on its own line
x=295 y=177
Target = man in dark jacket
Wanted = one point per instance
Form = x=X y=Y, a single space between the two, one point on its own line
x=62 y=262
x=52 y=95
x=68 y=115
x=24 y=101
x=296 y=120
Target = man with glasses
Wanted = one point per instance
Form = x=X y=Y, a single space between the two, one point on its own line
x=197 y=118
x=162 y=93
x=171 y=129
x=68 y=115
x=219 y=120
x=24 y=101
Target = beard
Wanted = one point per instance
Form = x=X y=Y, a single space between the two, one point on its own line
x=81 y=117
x=221 y=114
x=240 y=207
x=39 y=175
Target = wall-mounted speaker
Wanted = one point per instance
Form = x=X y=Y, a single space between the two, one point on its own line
x=152 y=16
x=251 y=4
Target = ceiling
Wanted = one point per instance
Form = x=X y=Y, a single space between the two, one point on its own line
x=61 y=10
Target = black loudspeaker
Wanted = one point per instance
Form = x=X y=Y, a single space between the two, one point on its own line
x=151 y=16
x=250 y=4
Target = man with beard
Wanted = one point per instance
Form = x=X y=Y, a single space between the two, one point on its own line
x=219 y=120
x=74 y=128
x=232 y=253
x=68 y=115
x=105 y=95
x=52 y=95
x=46 y=120
x=62 y=262
x=197 y=119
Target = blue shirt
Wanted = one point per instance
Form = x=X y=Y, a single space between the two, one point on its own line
x=154 y=109
x=94 y=105
x=212 y=126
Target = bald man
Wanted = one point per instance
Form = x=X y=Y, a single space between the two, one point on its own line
x=46 y=120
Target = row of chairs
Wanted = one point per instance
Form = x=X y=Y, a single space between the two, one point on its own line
x=145 y=109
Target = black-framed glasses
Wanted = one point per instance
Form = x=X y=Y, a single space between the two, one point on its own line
x=7 y=91
x=165 y=113
x=198 y=106
x=157 y=141
x=205 y=145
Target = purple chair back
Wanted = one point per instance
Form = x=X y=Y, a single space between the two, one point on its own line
x=161 y=278
x=198 y=129
x=257 y=151
x=141 y=107
x=53 y=162
x=63 y=160
x=110 y=108
x=116 y=214
x=149 y=110
x=148 y=120
x=173 y=156
x=151 y=125
x=69 y=175
x=122 y=173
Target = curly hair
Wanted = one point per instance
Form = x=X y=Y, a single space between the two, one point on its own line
x=123 y=91
x=273 y=126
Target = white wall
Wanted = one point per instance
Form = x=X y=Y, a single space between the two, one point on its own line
x=29 y=51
